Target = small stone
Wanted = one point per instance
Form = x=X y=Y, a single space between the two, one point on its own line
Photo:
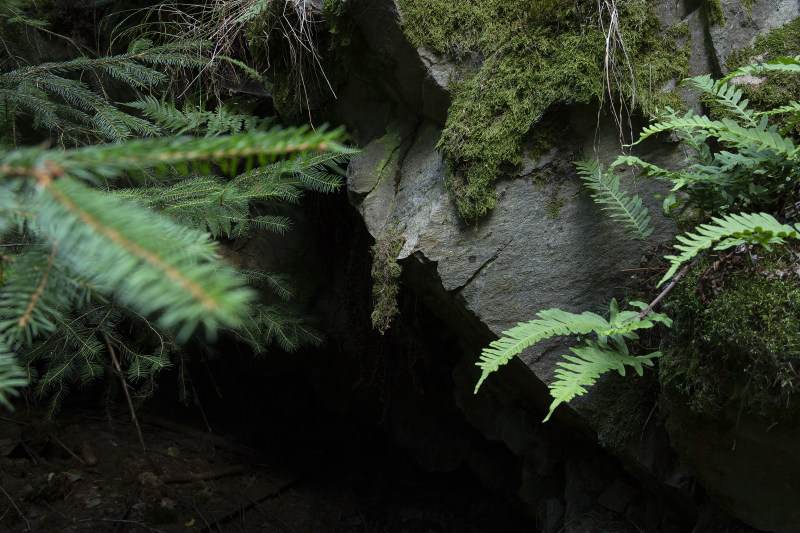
x=149 y=479
x=88 y=454
x=94 y=502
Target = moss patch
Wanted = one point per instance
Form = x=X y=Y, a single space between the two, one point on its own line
x=712 y=12
x=735 y=336
x=622 y=408
x=519 y=58
x=385 y=274
x=777 y=88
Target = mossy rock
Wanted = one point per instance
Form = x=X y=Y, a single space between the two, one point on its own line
x=771 y=89
x=520 y=58
x=735 y=338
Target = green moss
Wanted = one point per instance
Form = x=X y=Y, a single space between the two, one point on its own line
x=735 y=337
x=712 y=12
x=553 y=206
x=520 y=58
x=385 y=274
x=777 y=88
x=622 y=408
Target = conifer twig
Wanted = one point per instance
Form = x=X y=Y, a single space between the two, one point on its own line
x=35 y=298
x=14 y=505
x=68 y=450
x=118 y=367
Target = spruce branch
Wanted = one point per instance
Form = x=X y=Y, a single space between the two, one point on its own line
x=23 y=320
x=157 y=265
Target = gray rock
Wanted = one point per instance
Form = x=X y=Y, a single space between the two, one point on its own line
x=749 y=466
x=546 y=244
x=743 y=25
x=617 y=496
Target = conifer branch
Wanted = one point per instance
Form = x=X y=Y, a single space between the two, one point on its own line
x=146 y=255
x=23 y=321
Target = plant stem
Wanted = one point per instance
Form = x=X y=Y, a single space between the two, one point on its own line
x=666 y=290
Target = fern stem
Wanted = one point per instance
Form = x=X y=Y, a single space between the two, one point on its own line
x=666 y=290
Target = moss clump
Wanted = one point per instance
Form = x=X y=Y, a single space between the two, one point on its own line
x=385 y=275
x=735 y=336
x=553 y=206
x=622 y=408
x=712 y=12
x=777 y=88
x=520 y=58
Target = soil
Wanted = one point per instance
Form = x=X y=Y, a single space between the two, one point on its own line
x=88 y=472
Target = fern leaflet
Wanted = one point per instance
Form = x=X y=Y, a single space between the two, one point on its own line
x=628 y=211
x=729 y=96
x=590 y=361
x=551 y=322
x=594 y=357
x=730 y=230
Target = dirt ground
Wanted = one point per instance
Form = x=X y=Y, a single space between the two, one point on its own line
x=83 y=473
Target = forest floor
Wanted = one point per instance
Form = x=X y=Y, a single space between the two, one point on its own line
x=88 y=472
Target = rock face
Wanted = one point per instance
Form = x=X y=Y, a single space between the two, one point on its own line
x=749 y=467
x=545 y=244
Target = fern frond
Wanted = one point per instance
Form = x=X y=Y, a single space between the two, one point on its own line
x=729 y=96
x=551 y=322
x=689 y=124
x=792 y=108
x=783 y=64
x=582 y=370
x=761 y=136
x=628 y=211
x=730 y=230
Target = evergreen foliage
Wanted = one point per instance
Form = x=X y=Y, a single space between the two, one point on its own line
x=87 y=246
x=55 y=98
x=108 y=248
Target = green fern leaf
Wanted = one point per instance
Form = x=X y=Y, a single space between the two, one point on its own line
x=728 y=96
x=764 y=138
x=783 y=64
x=551 y=322
x=629 y=211
x=730 y=230
x=582 y=370
x=689 y=124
